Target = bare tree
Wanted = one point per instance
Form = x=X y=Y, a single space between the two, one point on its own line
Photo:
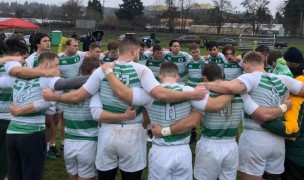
x=72 y=9
x=257 y=13
x=220 y=14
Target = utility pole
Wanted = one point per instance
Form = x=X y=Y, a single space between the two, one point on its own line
x=103 y=8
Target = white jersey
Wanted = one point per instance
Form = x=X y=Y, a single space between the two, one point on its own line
x=131 y=74
x=267 y=90
x=220 y=60
x=69 y=65
x=26 y=92
x=32 y=60
x=166 y=114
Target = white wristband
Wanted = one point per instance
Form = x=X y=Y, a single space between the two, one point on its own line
x=108 y=71
x=166 y=131
x=283 y=107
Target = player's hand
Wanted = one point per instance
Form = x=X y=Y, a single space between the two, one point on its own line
x=130 y=113
x=15 y=109
x=48 y=94
x=156 y=130
x=288 y=102
x=106 y=66
x=52 y=73
x=199 y=92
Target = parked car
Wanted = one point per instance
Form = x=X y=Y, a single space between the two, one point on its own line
x=225 y=41
x=280 y=44
x=148 y=41
x=189 y=39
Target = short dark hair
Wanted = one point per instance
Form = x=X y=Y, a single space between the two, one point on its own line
x=47 y=56
x=88 y=65
x=212 y=72
x=273 y=56
x=173 y=41
x=262 y=49
x=39 y=36
x=211 y=44
x=112 y=45
x=142 y=44
x=127 y=43
x=228 y=47
x=157 y=47
x=14 y=45
x=69 y=40
x=253 y=57
x=93 y=46
x=168 y=69
x=193 y=46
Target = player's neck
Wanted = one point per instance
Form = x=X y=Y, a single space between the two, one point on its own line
x=125 y=58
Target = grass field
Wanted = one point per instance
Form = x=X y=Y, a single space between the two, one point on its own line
x=55 y=169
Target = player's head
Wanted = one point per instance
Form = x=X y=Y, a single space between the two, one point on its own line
x=195 y=51
x=129 y=46
x=157 y=52
x=252 y=59
x=168 y=69
x=273 y=56
x=71 y=46
x=174 y=46
x=212 y=72
x=264 y=52
x=113 y=49
x=89 y=65
x=94 y=50
x=42 y=42
x=212 y=48
x=48 y=60
x=229 y=52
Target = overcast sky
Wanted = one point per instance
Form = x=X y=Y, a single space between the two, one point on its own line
x=114 y=3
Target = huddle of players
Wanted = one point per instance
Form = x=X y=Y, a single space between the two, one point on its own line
x=219 y=125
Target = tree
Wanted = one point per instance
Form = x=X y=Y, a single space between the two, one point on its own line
x=72 y=9
x=292 y=14
x=130 y=9
x=219 y=15
x=171 y=14
x=94 y=10
x=257 y=13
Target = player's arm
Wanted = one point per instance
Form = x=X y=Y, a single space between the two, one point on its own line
x=181 y=126
x=27 y=73
x=70 y=83
x=11 y=58
x=234 y=86
x=102 y=115
x=74 y=97
x=218 y=103
x=36 y=106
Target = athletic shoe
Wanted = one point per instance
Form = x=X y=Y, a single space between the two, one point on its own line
x=50 y=155
x=149 y=135
x=55 y=151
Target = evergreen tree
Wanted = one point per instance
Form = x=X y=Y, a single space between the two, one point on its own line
x=130 y=9
x=292 y=13
x=94 y=10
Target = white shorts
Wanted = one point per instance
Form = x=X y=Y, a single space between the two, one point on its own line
x=261 y=151
x=170 y=162
x=79 y=157
x=122 y=146
x=216 y=159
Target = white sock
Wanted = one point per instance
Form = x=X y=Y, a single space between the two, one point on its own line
x=47 y=146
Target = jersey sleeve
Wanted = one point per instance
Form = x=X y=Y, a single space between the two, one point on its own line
x=48 y=82
x=198 y=105
x=147 y=79
x=101 y=56
x=148 y=54
x=250 y=80
x=81 y=54
x=96 y=107
x=93 y=83
x=294 y=86
x=249 y=105
x=6 y=82
x=141 y=98
x=11 y=64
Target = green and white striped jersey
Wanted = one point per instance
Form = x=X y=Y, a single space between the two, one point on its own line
x=143 y=59
x=6 y=98
x=194 y=68
x=26 y=92
x=69 y=65
x=267 y=90
x=79 y=123
x=32 y=60
x=268 y=69
x=223 y=124
x=131 y=74
x=232 y=71
x=181 y=61
x=154 y=65
x=220 y=60
x=108 y=59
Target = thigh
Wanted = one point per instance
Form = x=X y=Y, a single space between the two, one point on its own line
x=275 y=161
x=3 y=150
x=86 y=159
x=207 y=162
x=160 y=164
x=230 y=162
x=70 y=154
x=292 y=171
x=14 y=158
x=183 y=163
